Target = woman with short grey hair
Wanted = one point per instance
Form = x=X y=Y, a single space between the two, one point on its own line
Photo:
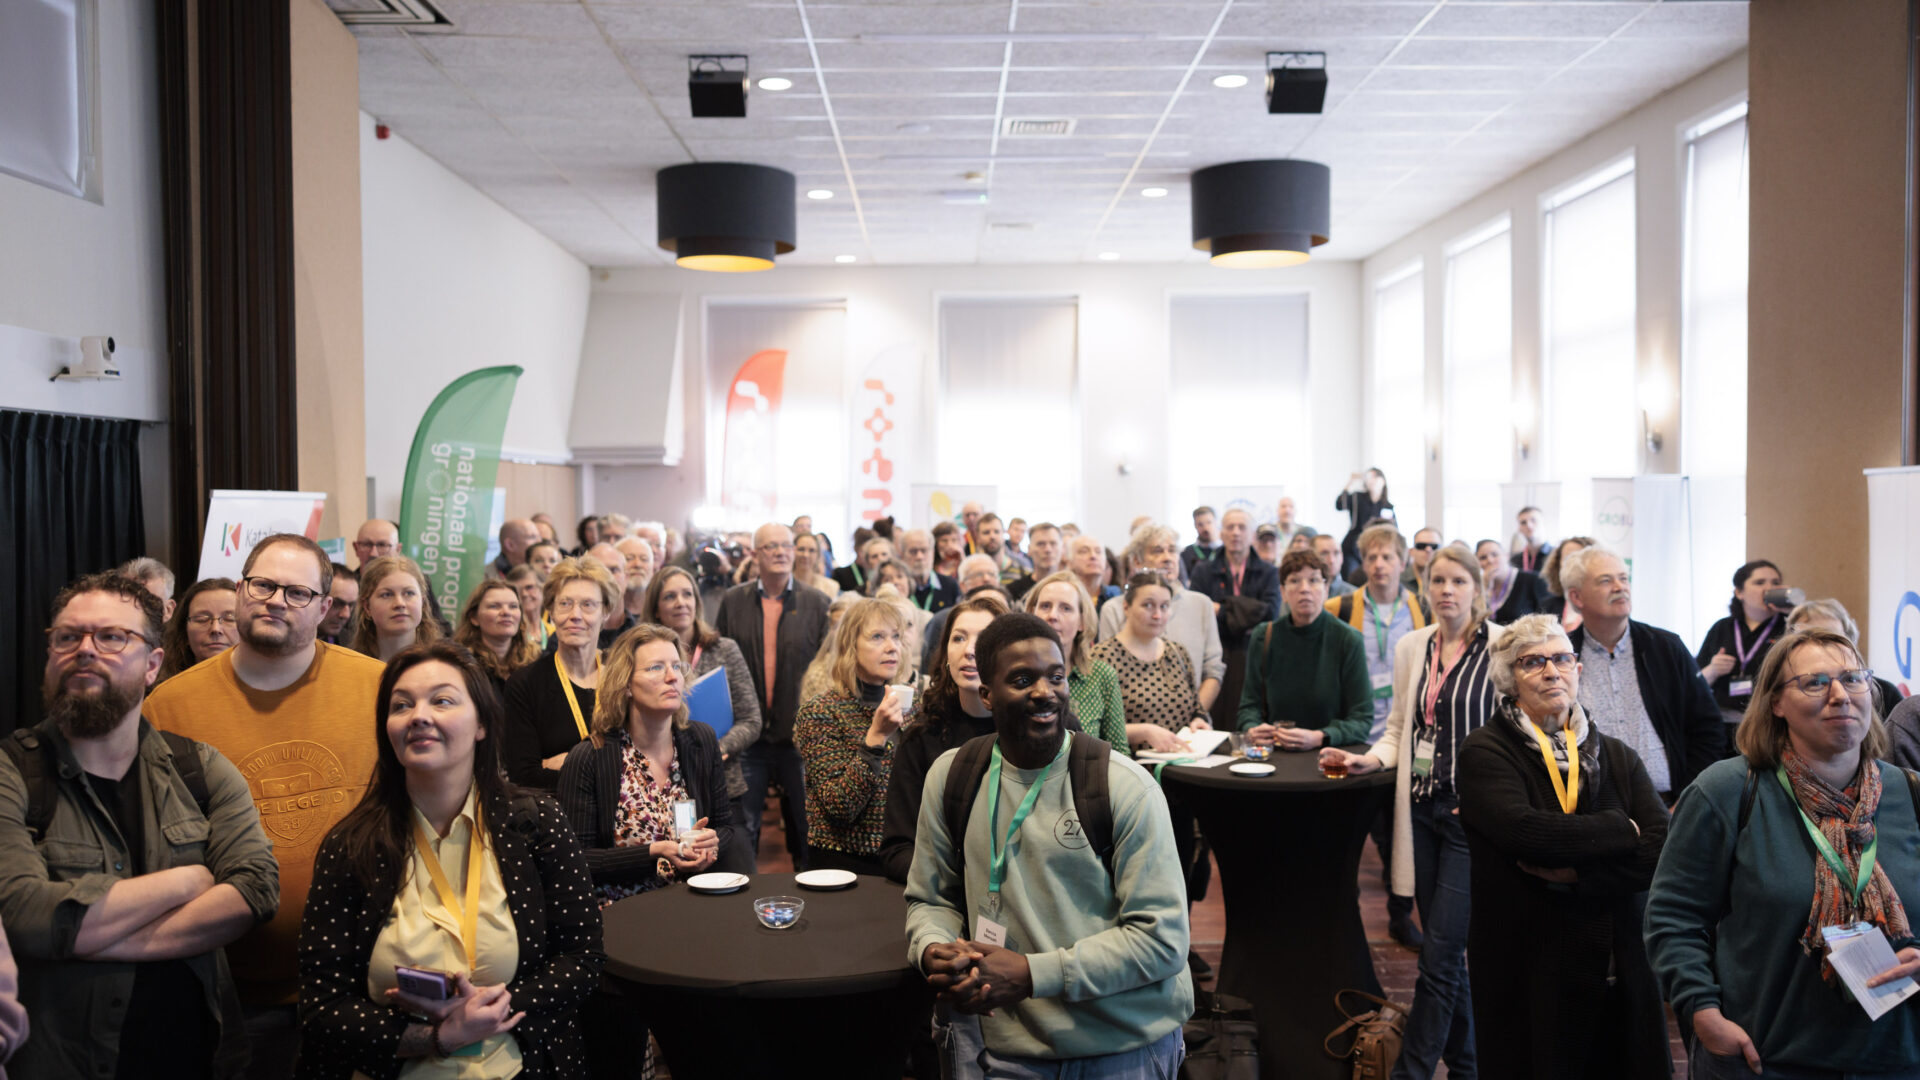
x=1565 y=831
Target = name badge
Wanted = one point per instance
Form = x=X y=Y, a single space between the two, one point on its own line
x=1423 y=757
x=1740 y=688
x=990 y=932
x=1383 y=680
x=684 y=816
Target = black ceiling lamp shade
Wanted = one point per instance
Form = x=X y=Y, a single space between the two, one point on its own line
x=725 y=216
x=1259 y=214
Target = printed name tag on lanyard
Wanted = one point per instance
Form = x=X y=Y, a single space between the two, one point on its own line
x=990 y=932
x=1382 y=680
x=1423 y=756
x=1740 y=688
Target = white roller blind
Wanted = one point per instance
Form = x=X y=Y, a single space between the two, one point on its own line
x=1476 y=450
x=1399 y=394
x=1009 y=407
x=1593 y=425
x=1238 y=356
x=1714 y=321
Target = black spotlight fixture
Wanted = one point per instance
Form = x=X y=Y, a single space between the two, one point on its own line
x=1296 y=82
x=717 y=85
x=725 y=216
x=1260 y=214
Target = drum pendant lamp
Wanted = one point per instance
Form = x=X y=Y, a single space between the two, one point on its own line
x=725 y=216
x=1261 y=214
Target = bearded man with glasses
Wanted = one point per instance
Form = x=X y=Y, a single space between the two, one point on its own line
x=296 y=715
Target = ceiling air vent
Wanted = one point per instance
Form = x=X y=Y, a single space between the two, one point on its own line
x=387 y=13
x=1017 y=127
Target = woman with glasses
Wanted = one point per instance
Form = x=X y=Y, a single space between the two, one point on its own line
x=203 y=626
x=550 y=700
x=1564 y=828
x=491 y=624
x=1806 y=832
x=673 y=601
x=1441 y=694
x=392 y=615
x=846 y=739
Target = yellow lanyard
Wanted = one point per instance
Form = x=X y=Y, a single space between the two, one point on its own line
x=1569 y=792
x=566 y=684
x=469 y=914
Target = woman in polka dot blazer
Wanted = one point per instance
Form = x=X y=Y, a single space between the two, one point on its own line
x=521 y=945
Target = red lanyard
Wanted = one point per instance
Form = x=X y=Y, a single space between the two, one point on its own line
x=1236 y=575
x=1437 y=671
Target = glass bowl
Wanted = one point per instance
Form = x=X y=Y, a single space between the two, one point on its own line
x=778 y=912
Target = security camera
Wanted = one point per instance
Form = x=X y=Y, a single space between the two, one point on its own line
x=96 y=361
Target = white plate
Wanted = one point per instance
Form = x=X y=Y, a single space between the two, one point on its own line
x=717 y=883
x=1251 y=768
x=825 y=879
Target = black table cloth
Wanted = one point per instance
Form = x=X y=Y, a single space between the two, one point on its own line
x=1288 y=846
x=726 y=997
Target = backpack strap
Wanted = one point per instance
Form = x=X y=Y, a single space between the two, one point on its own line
x=963 y=783
x=1087 y=773
x=29 y=754
x=186 y=762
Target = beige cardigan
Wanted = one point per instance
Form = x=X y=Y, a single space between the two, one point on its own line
x=1395 y=749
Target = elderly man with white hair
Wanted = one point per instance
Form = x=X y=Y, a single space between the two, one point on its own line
x=1641 y=685
x=933 y=591
x=639 y=556
x=1190 y=622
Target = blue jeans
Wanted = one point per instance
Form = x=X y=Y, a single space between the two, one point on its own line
x=759 y=764
x=1440 y=1023
x=965 y=1057
x=1704 y=1065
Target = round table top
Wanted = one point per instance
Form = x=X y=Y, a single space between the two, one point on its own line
x=847 y=941
x=1294 y=772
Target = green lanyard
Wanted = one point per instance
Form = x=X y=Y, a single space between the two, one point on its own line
x=1826 y=850
x=997 y=869
x=1380 y=627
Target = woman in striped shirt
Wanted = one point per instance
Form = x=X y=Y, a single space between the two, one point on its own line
x=1441 y=693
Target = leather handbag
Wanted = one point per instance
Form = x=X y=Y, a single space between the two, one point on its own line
x=1376 y=1035
x=1223 y=1041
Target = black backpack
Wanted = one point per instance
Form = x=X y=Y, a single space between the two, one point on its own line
x=1086 y=774
x=33 y=758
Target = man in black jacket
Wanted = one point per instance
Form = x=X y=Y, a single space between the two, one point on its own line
x=1245 y=590
x=778 y=625
x=1638 y=683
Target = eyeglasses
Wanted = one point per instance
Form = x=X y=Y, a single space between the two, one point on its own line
x=569 y=605
x=208 y=618
x=263 y=589
x=1820 y=683
x=659 y=671
x=1426 y=545
x=108 y=639
x=1530 y=664
x=773 y=548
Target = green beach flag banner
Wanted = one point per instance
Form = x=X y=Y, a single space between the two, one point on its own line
x=447 y=503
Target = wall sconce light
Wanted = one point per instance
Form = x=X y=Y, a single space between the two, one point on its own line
x=1654 y=440
x=1523 y=428
x=1654 y=398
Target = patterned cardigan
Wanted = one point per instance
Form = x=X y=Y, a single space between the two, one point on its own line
x=846 y=781
x=556 y=917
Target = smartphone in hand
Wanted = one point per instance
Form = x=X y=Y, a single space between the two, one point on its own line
x=424 y=983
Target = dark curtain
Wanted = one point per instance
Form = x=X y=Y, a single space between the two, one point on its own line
x=69 y=505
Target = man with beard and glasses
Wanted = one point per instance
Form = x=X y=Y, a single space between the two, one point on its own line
x=1063 y=955
x=297 y=717
x=128 y=858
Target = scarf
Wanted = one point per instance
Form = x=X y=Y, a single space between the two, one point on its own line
x=1576 y=723
x=1847 y=823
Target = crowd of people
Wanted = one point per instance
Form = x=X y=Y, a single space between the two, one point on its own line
x=304 y=820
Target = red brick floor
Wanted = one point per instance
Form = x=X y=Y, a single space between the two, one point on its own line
x=1396 y=966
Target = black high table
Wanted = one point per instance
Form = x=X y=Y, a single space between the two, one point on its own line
x=728 y=998
x=1289 y=851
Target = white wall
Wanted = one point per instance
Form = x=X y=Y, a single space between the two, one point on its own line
x=1124 y=372
x=453 y=282
x=1653 y=134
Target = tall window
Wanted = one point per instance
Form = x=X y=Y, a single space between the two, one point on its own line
x=1006 y=366
x=1714 y=320
x=1237 y=356
x=1399 y=393
x=1593 y=426
x=1477 y=448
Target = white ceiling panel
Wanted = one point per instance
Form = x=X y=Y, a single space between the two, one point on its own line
x=565 y=110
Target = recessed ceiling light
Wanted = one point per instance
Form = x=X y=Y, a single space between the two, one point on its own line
x=1109 y=256
x=823 y=193
x=845 y=258
x=1224 y=82
x=775 y=82
x=1149 y=193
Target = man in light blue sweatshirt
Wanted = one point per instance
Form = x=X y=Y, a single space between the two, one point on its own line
x=1065 y=963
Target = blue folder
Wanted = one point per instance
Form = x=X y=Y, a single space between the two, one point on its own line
x=710 y=701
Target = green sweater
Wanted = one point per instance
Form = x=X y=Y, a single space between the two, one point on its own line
x=1315 y=676
x=1098 y=704
x=1756 y=886
x=1108 y=955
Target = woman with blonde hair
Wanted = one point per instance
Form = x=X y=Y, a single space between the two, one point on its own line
x=392 y=615
x=1062 y=602
x=493 y=626
x=1807 y=830
x=549 y=701
x=845 y=739
x=1441 y=694
x=807 y=568
x=819 y=676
